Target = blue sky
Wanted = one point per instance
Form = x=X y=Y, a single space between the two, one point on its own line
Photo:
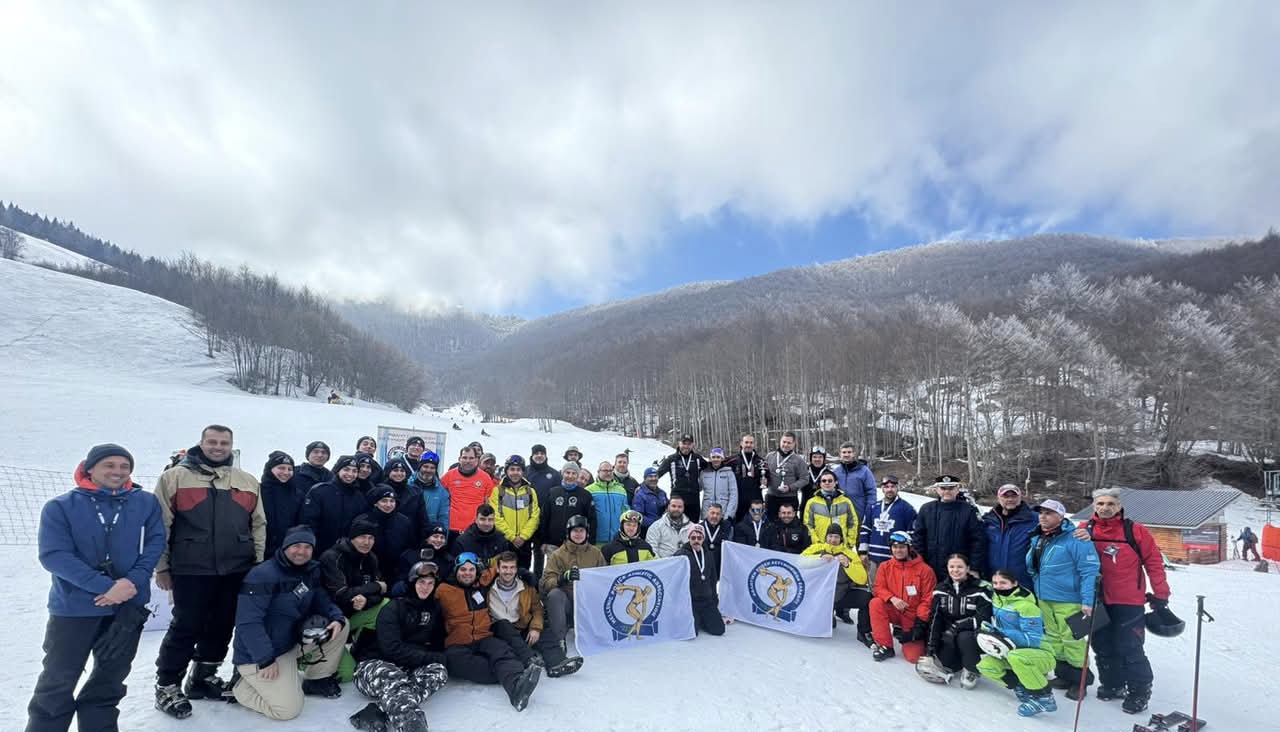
x=526 y=158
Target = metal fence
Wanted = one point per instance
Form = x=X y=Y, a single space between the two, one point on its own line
x=23 y=493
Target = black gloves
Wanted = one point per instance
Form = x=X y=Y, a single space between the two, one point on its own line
x=919 y=631
x=121 y=637
x=571 y=575
x=1156 y=603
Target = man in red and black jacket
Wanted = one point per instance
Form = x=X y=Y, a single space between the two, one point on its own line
x=1129 y=558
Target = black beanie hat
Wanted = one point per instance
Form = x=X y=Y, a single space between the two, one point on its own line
x=278 y=457
x=836 y=529
x=314 y=446
x=363 y=438
x=363 y=458
x=415 y=440
x=343 y=461
x=379 y=492
x=98 y=453
x=360 y=527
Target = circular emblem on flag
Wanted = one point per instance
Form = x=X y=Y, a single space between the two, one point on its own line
x=633 y=604
x=776 y=588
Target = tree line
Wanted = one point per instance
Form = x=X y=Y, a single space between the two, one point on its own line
x=1079 y=380
x=280 y=340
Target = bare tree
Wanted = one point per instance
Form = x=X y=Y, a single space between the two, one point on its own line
x=11 y=244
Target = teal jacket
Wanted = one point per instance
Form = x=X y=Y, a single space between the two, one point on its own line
x=1062 y=567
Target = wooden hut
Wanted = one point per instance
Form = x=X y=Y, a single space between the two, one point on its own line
x=1188 y=526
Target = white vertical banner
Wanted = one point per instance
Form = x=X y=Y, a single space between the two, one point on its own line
x=632 y=605
x=779 y=591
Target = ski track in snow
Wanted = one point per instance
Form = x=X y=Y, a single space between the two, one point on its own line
x=87 y=363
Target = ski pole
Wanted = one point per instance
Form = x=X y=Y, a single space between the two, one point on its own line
x=1088 y=641
x=1202 y=616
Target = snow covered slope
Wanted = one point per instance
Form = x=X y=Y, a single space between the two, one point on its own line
x=43 y=252
x=84 y=362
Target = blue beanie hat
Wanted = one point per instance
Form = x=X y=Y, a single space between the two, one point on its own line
x=98 y=453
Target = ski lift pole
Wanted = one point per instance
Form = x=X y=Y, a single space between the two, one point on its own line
x=1202 y=616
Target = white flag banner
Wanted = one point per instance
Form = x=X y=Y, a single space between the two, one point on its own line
x=632 y=605
x=779 y=591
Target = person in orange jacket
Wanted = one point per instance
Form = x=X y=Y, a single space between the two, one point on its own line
x=468 y=487
x=471 y=650
x=903 y=591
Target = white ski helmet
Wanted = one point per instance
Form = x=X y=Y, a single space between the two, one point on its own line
x=995 y=644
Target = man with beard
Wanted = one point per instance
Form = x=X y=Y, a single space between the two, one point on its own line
x=703 y=571
x=787 y=534
x=468 y=488
x=855 y=480
x=716 y=531
x=886 y=516
x=669 y=532
x=749 y=470
x=518 y=615
x=1009 y=526
x=751 y=530
x=685 y=466
x=217 y=531
x=650 y=500
x=277 y=597
x=470 y=648
x=787 y=474
x=482 y=537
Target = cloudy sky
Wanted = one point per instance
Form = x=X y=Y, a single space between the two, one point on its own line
x=529 y=157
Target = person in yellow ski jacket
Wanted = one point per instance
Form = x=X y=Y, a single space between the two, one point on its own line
x=829 y=505
x=515 y=508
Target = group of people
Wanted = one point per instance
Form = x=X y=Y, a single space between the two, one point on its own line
x=400 y=576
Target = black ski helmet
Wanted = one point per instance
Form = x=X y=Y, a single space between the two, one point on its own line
x=577 y=521
x=1162 y=622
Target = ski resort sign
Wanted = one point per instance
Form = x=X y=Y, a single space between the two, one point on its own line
x=391 y=441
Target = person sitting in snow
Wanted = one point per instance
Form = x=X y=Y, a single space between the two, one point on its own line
x=851 y=580
x=961 y=604
x=899 y=606
x=518 y=616
x=1011 y=644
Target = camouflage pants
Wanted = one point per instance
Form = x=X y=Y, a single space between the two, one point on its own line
x=399 y=693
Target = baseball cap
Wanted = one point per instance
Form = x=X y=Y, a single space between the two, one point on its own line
x=686 y=437
x=1009 y=489
x=717 y=452
x=1052 y=505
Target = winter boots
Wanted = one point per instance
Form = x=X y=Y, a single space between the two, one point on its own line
x=327 y=687
x=969 y=679
x=1110 y=693
x=171 y=701
x=369 y=719
x=1038 y=702
x=524 y=687
x=203 y=682
x=1136 y=699
x=565 y=667
x=880 y=653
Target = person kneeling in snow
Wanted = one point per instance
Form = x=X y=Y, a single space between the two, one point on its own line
x=277 y=598
x=904 y=587
x=851 y=581
x=406 y=665
x=1013 y=646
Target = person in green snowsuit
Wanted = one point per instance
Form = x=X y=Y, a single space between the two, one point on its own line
x=1025 y=668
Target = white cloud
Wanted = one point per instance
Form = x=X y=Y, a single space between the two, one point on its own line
x=487 y=156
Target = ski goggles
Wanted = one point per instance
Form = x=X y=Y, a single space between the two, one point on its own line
x=469 y=558
x=900 y=537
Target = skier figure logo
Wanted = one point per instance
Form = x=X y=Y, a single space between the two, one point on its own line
x=783 y=590
x=638 y=594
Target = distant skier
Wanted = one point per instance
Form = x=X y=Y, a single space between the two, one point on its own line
x=1249 y=543
x=335 y=398
x=456 y=427
x=484 y=434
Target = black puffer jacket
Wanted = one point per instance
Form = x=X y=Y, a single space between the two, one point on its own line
x=944 y=528
x=347 y=573
x=330 y=507
x=282 y=503
x=791 y=538
x=409 y=500
x=957 y=607
x=702 y=582
x=486 y=546
x=307 y=475
x=410 y=633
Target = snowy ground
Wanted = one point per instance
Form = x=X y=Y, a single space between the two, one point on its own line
x=86 y=363
x=38 y=250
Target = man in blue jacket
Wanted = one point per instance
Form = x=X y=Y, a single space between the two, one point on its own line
x=1064 y=570
x=277 y=597
x=855 y=481
x=434 y=495
x=886 y=516
x=1008 y=526
x=101 y=542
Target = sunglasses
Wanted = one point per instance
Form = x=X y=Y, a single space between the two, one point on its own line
x=757 y=510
